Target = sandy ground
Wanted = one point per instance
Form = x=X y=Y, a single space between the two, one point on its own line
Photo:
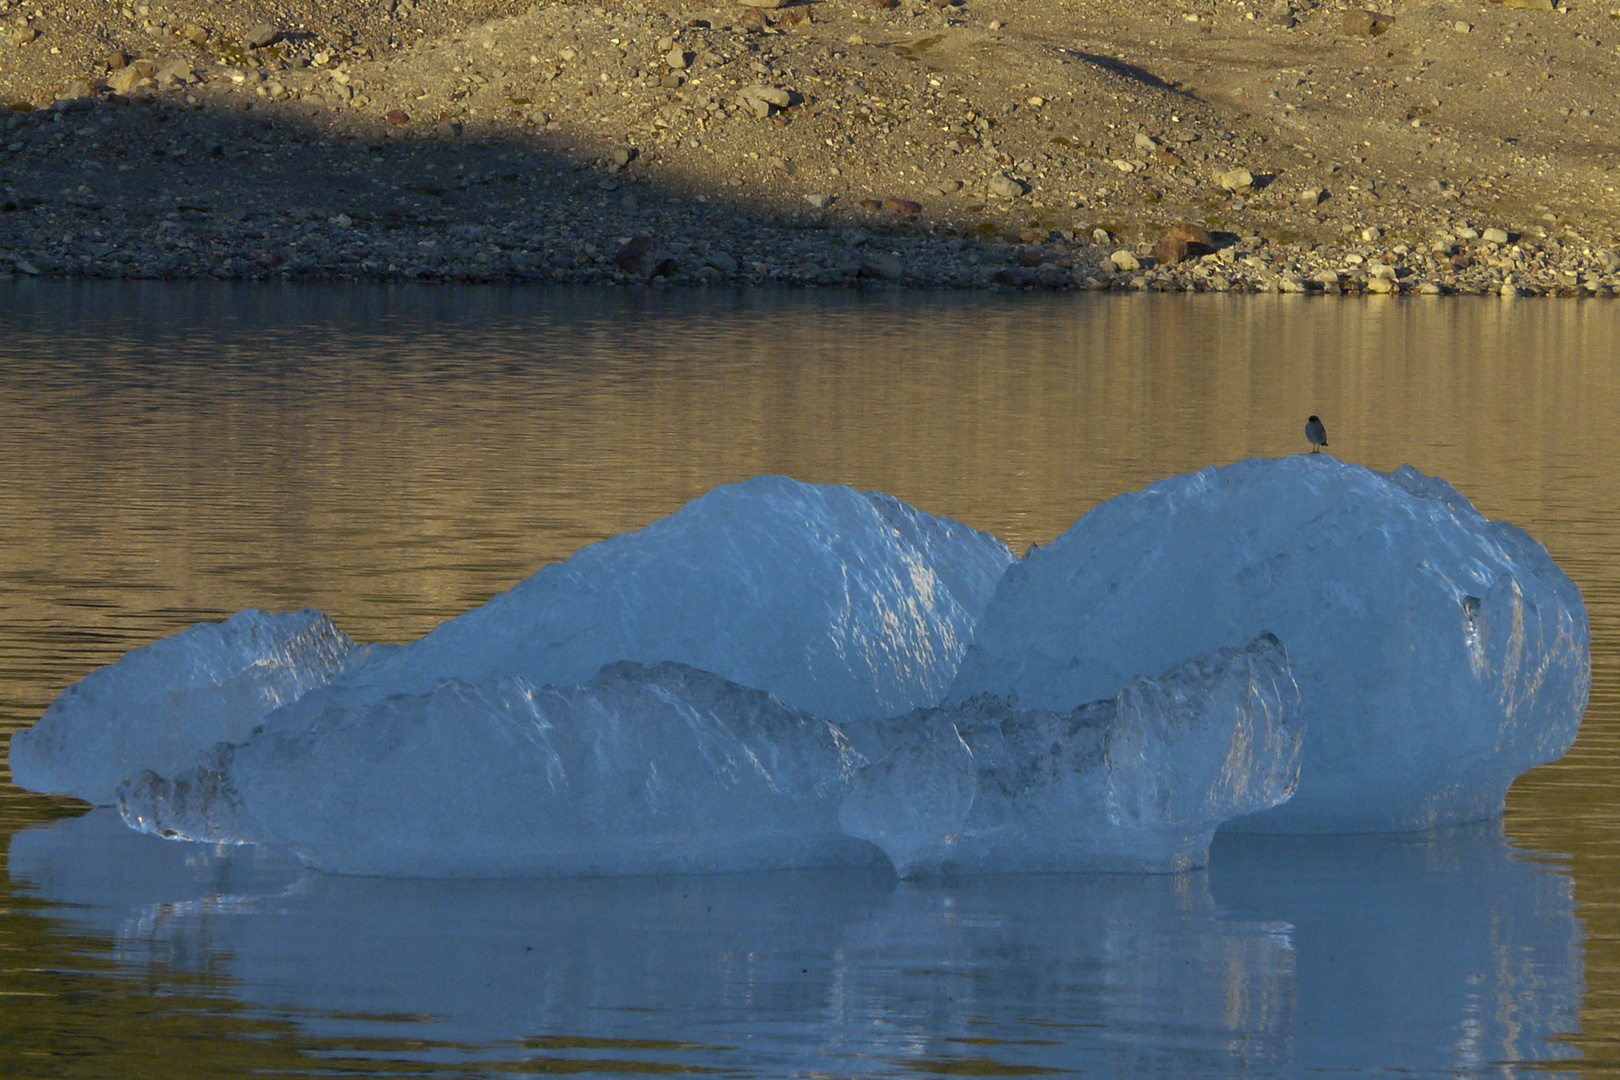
x=1464 y=147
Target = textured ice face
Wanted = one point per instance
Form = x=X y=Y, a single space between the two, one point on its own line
x=1137 y=783
x=670 y=769
x=1438 y=654
x=160 y=706
x=662 y=769
x=841 y=603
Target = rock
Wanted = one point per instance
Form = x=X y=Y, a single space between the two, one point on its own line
x=1031 y=256
x=904 y=207
x=1429 y=288
x=721 y=261
x=26 y=267
x=1192 y=234
x=644 y=257
x=1367 y=23
x=1382 y=285
x=1006 y=186
x=1282 y=14
x=1166 y=156
x=819 y=201
x=1290 y=284
x=196 y=35
x=622 y=155
x=1171 y=249
x=75 y=90
x=117 y=59
x=1235 y=179
x=1124 y=261
x=447 y=129
x=260 y=36
x=1463 y=27
x=1100 y=236
x=677 y=60
x=1052 y=276
x=124 y=79
x=24 y=36
x=1494 y=236
x=870 y=203
x=397 y=117
x=771 y=95
x=1372 y=232
x=1014 y=276
x=770 y=5
x=1036 y=101
x=1312 y=196
x=1146 y=142
x=176 y=69
x=885 y=265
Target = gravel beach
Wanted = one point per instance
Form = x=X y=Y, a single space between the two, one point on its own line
x=1410 y=148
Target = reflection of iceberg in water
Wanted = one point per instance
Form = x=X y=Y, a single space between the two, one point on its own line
x=1430 y=955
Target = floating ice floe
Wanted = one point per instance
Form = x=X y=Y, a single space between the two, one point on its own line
x=1438 y=654
x=775 y=676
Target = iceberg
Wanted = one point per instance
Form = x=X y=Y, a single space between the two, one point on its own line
x=1438 y=654
x=841 y=603
x=670 y=769
x=1137 y=783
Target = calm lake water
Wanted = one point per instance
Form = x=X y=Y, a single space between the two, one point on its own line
x=177 y=452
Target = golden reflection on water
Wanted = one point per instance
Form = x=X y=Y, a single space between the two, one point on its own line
x=396 y=456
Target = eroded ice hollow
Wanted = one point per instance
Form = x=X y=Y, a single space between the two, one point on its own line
x=757 y=681
x=1438 y=654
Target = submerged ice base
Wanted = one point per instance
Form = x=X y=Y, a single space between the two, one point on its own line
x=668 y=769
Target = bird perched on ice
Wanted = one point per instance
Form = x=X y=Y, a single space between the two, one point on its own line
x=1315 y=432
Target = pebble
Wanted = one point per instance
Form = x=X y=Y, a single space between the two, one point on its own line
x=261 y=35
x=769 y=5
x=1367 y=23
x=819 y=200
x=1006 y=186
x=1124 y=261
x=1494 y=236
x=1235 y=179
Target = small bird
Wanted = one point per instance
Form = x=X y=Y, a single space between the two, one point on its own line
x=1315 y=432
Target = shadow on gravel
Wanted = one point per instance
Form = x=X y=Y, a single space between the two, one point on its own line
x=158 y=189
x=1131 y=71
